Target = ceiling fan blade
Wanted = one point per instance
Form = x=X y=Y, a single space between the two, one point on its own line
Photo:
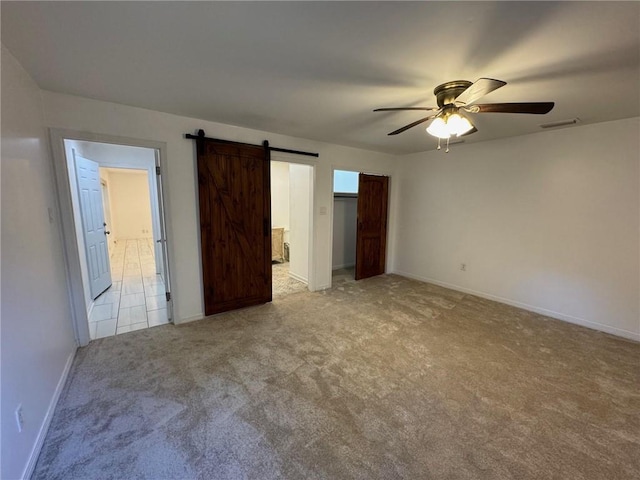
x=404 y=108
x=538 y=108
x=411 y=125
x=479 y=89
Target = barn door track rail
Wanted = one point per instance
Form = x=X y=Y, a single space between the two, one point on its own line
x=201 y=136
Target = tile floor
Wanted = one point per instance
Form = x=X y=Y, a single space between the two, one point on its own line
x=282 y=284
x=136 y=298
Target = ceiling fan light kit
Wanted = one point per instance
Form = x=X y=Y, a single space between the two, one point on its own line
x=452 y=97
x=438 y=128
x=447 y=125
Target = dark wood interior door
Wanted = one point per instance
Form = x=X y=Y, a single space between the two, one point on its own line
x=235 y=219
x=371 y=235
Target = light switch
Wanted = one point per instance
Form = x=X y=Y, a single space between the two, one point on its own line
x=323 y=210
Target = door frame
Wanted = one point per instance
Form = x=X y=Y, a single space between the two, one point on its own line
x=369 y=171
x=106 y=201
x=79 y=315
x=313 y=163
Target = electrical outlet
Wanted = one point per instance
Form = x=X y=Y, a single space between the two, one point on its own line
x=19 y=418
x=463 y=267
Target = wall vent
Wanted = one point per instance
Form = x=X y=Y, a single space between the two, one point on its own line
x=560 y=123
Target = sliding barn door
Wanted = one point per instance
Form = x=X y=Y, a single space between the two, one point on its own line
x=371 y=234
x=235 y=219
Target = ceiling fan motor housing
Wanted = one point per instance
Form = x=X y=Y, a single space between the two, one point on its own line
x=447 y=92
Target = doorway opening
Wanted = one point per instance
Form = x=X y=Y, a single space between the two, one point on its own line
x=345 y=219
x=291 y=225
x=360 y=214
x=117 y=231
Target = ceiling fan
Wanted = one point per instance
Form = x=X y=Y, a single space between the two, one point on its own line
x=458 y=97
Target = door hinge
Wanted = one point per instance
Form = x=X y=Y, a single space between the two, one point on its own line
x=168 y=295
x=157 y=170
x=265 y=225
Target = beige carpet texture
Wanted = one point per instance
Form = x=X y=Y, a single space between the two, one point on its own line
x=385 y=378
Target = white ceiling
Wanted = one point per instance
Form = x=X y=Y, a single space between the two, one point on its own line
x=317 y=69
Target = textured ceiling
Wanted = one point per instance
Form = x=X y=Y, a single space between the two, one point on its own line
x=317 y=69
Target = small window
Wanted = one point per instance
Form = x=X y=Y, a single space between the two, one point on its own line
x=345 y=182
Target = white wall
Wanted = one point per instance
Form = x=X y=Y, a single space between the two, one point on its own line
x=345 y=217
x=548 y=221
x=131 y=208
x=77 y=113
x=300 y=187
x=37 y=338
x=280 y=196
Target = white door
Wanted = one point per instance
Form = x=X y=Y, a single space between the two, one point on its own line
x=93 y=225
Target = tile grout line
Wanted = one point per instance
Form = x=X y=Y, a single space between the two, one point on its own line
x=144 y=293
x=121 y=276
x=126 y=252
x=138 y=262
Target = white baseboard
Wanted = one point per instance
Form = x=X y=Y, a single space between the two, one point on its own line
x=193 y=318
x=543 y=311
x=298 y=277
x=44 y=428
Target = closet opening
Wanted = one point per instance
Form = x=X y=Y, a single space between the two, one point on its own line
x=360 y=215
x=345 y=220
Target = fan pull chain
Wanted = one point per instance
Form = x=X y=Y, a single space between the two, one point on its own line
x=447 y=150
x=438 y=144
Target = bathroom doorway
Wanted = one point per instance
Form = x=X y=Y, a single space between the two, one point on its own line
x=127 y=210
x=291 y=227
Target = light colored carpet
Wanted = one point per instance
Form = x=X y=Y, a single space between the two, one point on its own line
x=282 y=283
x=384 y=378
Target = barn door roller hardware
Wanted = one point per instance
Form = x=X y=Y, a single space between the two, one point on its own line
x=201 y=136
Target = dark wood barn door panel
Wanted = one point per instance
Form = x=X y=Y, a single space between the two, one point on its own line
x=371 y=235
x=235 y=219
